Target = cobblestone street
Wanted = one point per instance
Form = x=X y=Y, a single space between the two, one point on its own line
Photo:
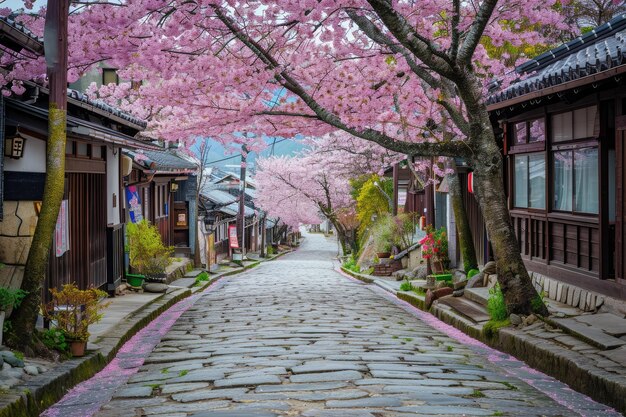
x=295 y=338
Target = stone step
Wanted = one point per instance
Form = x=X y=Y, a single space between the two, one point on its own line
x=479 y=295
x=466 y=308
x=591 y=335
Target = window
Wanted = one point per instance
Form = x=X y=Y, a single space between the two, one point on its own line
x=530 y=180
x=529 y=132
x=109 y=76
x=578 y=124
x=576 y=180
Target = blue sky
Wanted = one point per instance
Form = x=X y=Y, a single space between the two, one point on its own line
x=18 y=4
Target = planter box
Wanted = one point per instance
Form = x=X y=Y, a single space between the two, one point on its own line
x=442 y=277
x=135 y=280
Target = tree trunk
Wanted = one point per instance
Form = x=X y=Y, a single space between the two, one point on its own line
x=513 y=277
x=25 y=316
x=466 y=242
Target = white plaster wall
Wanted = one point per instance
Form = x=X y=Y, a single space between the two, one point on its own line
x=113 y=185
x=34 y=159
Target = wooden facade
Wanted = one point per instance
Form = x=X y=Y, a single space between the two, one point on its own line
x=85 y=263
x=569 y=213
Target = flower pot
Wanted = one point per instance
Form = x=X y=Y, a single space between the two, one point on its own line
x=382 y=255
x=135 y=280
x=437 y=267
x=77 y=348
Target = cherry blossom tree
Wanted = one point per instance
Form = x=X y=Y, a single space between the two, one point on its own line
x=411 y=77
x=302 y=190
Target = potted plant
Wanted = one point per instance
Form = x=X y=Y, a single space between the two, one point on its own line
x=147 y=253
x=9 y=298
x=435 y=248
x=72 y=311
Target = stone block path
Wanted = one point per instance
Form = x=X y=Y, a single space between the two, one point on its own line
x=295 y=338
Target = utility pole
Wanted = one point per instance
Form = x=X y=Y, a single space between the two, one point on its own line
x=55 y=50
x=242 y=200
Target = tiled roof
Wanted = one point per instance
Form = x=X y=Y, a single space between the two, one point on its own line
x=163 y=161
x=598 y=50
x=29 y=40
x=77 y=95
x=219 y=196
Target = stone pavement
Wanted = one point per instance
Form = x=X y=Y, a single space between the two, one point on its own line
x=295 y=338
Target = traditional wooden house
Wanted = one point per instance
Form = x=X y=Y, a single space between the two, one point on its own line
x=166 y=186
x=563 y=134
x=88 y=243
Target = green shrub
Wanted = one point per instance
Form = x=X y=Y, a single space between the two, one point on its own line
x=270 y=250
x=202 y=277
x=147 y=253
x=10 y=298
x=496 y=305
x=405 y=286
x=539 y=302
x=472 y=272
x=351 y=265
x=54 y=339
x=491 y=328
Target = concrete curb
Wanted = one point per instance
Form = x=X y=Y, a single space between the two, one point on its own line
x=569 y=367
x=32 y=398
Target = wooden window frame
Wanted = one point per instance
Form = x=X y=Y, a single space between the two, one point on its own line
x=546 y=175
x=571 y=148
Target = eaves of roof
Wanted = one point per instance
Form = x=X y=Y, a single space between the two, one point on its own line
x=17 y=37
x=590 y=58
x=82 y=128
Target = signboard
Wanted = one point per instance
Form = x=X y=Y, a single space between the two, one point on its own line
x=133 y=204
x=232 y=236
x=61 y=231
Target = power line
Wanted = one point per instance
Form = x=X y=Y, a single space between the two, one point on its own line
x=239 y=156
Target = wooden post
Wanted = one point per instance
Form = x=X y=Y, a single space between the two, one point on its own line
x=396 y=175
x=55 y=47
x=241 y=220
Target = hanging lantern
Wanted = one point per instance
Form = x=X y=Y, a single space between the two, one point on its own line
x=470 y=182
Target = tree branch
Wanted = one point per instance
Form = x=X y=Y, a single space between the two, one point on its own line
x=446 y=148
x=476 y=31
x=421 y=47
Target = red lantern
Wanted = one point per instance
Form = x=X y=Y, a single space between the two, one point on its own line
x=470 y=182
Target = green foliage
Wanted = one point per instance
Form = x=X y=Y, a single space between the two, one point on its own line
x=55 y=339
x=202 y=277
x=74 y=310
x=404 y=230
x=539 y=302
x=351 y=265
x=405 y=286
x=18 y=355
x=372 y=195
x=10 y=298
x=7 y=326
x=148 y=255
x=183 y=372
x=270 y=250
x=472 y=272
x=383 y=233
x=477 y=394
x=491 y=328
x=496 y=305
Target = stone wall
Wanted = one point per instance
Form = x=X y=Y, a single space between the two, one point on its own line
x=385 y=270
x=16 y=234
x=568 y=294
